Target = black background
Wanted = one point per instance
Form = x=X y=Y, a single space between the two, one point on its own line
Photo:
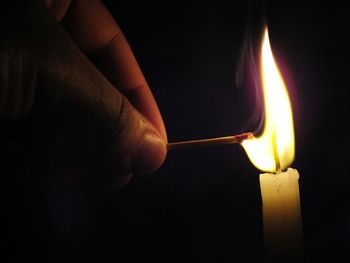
x=205 y=205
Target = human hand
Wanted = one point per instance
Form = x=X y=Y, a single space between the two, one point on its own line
x=67 y=71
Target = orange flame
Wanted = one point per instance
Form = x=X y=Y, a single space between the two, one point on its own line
x=274 y=150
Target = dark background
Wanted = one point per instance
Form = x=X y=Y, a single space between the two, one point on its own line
x=205 y=205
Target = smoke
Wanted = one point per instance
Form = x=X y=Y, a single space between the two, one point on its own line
x=247 y=75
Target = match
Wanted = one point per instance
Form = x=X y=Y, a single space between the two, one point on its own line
x=209 y=142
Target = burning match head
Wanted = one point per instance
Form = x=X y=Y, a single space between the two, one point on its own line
x=244 y=136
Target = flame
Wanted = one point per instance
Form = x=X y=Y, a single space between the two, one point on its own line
x=274 y=149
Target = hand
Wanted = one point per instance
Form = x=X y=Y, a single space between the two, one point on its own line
x=68 y=75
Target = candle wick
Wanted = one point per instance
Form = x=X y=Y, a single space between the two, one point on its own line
x=275 y=153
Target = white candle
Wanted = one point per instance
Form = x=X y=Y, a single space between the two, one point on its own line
x=273 y=151
x=283 y=235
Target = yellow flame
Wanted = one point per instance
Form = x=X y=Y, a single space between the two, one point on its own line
x=274 y=149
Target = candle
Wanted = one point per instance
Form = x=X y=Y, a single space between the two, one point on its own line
x=281 y=215
x=273 y=151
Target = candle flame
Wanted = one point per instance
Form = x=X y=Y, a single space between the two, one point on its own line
x=274 y=149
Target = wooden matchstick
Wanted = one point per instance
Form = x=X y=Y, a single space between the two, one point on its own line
x=209 y=142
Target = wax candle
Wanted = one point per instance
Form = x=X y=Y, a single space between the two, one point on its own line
x=273 y=152
x=282 y=222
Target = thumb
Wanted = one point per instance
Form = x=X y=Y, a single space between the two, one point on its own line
x=77 y=103
x=71 y=98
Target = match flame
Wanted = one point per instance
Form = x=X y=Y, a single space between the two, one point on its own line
x=274 y=149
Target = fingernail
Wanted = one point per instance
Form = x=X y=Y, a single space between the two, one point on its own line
x=150 y=155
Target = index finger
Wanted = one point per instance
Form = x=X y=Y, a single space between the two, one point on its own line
x=95 y=32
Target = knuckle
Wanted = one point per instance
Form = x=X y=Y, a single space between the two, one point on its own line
x=123 y=118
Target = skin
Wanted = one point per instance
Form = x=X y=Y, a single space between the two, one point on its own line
x=69 y=77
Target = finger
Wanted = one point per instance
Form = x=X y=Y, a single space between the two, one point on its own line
x=74 y=100
x=94 y=31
